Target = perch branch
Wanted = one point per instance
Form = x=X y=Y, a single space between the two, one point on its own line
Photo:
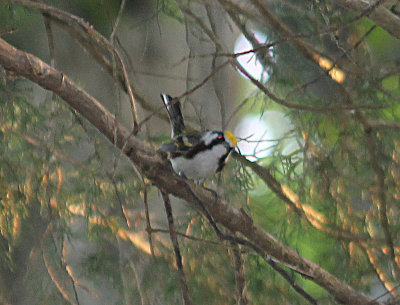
x=159 y=171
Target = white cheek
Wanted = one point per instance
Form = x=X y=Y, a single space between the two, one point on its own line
x=208 y=138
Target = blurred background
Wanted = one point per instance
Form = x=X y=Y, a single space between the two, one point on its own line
x=311 y=90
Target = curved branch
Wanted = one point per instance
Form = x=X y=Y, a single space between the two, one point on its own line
x=306 y=212
x=159 y=172
x=101 y=49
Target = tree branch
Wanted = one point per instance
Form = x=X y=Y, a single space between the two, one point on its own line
x=159 y=172
x=102 y=50
x=380 y=15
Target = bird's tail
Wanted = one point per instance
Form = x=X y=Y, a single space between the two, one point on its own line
x=175 y=115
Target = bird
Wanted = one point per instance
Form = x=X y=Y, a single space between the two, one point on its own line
x=195 y=155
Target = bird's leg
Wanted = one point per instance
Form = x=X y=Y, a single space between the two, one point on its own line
x=181 y=174
x=198 y=182
x=219 y=180
x=212 y=192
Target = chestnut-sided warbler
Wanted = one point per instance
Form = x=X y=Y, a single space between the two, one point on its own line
x=195 y=155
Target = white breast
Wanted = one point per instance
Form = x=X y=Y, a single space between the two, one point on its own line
x=202 y=166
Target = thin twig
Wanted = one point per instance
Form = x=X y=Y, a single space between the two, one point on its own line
x=117 y=20
x=143 y=295
x=123 y=273
x=290 y=280
x=121 y=202
x=206 y=79
x=57 y=275
x=71 y=276
x=386 y=293
x=216 y=80
x=240 y=106
x=149 y=229
x=391 y=125
x=190 y=237
x=50 y=39
x=178 y=257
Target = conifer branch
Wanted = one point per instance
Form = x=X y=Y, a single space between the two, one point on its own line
x=160 y=173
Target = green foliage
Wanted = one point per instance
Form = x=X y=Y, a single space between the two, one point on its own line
x=171 y=9
x=40 y=169
x=61 y=179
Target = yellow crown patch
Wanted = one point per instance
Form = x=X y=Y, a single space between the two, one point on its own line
x=231 y=138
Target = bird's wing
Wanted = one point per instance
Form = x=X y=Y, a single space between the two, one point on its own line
x=193 y=139
x=179 y=145
x=187 y=145
x=169 y=147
